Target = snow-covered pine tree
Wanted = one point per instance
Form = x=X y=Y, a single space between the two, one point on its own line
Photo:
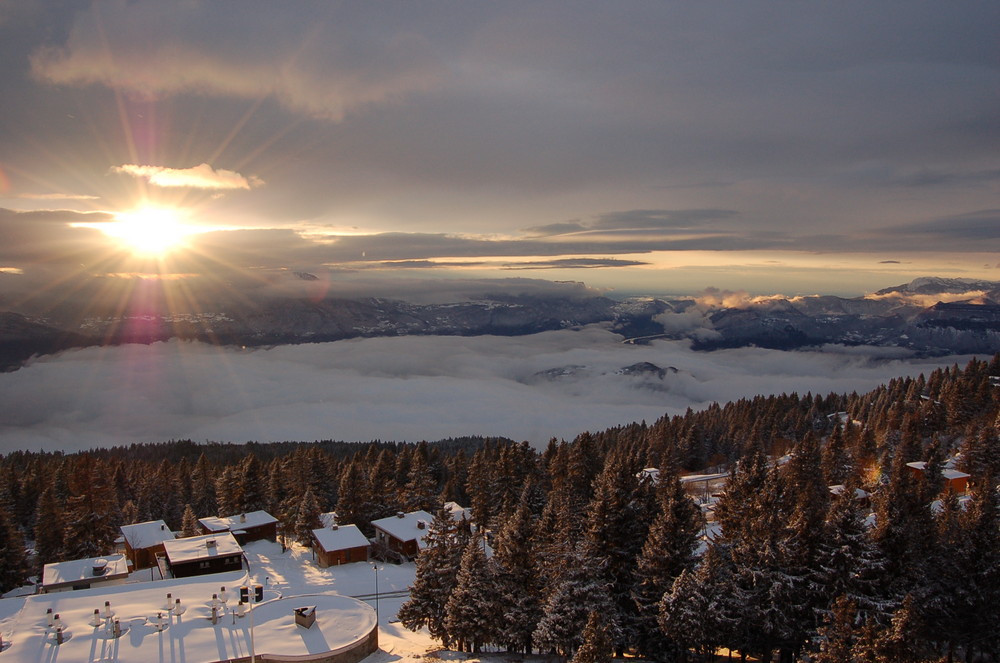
x=307 y=518
x=580 y=590
x=49 y=528
x=699 y=611
x=203 y=488
x=517 y=577
x=614 y=538
x=12 y=560
x=472 y=609
x=668 y=551
x=835 y=640
x=189 y=524
x=354 y=498
x=597 y=645
x=849 y=564
x=436 y=574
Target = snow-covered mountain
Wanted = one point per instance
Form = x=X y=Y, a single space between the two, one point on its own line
x=926 y=316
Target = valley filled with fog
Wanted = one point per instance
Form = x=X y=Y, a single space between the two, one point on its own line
x=553 y=384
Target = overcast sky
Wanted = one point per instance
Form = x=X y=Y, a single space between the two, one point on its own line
x=642 y=146
x=556 y=384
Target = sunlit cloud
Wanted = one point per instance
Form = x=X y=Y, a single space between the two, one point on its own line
x=56 y=196
x=202 y=176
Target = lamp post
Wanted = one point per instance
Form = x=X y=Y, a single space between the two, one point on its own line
x=375 y=569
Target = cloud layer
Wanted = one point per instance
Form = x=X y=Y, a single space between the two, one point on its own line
x=399 y=388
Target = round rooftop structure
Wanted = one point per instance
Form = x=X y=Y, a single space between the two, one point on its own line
x=80 y=626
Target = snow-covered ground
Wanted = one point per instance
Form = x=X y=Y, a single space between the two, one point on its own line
x=284 y=575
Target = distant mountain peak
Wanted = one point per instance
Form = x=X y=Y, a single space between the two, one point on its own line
x=934 y=285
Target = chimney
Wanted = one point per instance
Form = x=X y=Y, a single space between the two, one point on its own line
x=100 y=566
x=243 y=517
x=420 y=524
x=400 y=514
x=209 y=543
x=334 y=526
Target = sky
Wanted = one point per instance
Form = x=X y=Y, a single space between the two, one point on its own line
x=639 y=147
x=556 y=384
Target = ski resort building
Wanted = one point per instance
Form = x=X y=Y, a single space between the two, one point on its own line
x=340 y=544
x=954 y=481
x=143 y=542
x=200 y=555
x=84 y=573
x=403 y=533
x=246 y=527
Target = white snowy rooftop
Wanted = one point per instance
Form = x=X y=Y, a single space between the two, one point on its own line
x=151 y=633
x=238 y=522
x=947 y=473
x=59 y=573
x=407 y=526
x=345 y=536
x=147 y=534
x=458 y=511
x=223 y=544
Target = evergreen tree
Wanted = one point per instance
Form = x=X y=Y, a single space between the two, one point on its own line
x=354 y=505
x=48 y=528
x=614 y=539
x=849 y=564
x=699 y=612
x=203 y=489
x=13 y=567
x=597 y=645
x=517 y=577
x=668 y=551
x=580 y=590
x=420 y=491
x=836 y=638
x=436 y=574
x=307 y=518
x=471 y=610
x=189 y=526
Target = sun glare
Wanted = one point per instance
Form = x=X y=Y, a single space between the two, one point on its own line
x=149 y=230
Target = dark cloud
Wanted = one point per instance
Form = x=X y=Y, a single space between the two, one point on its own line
x=979 y=226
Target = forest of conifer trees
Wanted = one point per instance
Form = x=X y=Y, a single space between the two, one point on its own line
x=586 y=557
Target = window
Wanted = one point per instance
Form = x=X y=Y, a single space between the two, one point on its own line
x=204 y=565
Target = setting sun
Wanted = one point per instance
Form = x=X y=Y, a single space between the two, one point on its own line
x=149 y=230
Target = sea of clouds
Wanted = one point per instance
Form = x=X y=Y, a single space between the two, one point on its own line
x=554 y=384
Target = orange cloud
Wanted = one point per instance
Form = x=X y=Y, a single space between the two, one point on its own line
x=199 y=177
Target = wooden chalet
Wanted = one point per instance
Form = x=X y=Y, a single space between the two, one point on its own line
x=340 y=544
x=954 y=481
x=403 y=533
x=143 y=542
x=201 y=555
x=246 y=527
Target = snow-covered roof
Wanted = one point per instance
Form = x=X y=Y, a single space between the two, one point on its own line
x=147 y=534
x=651 y=473
x=341 y=622
x=406 y=526
x=194 y=548
x=76 y=570
x=214 y=524
x=694 y=478
x=341 y=538
x=458 y=511
x=241 y=521
x=947 y=473
x=839 y=488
